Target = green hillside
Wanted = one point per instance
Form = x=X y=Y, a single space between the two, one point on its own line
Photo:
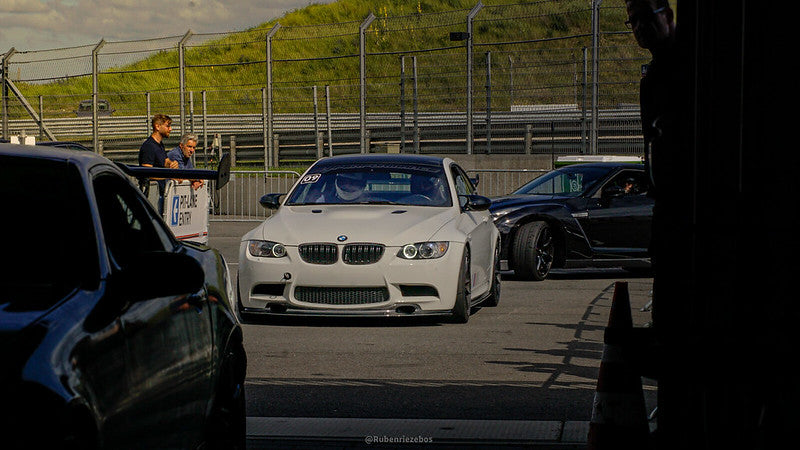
x=318 y=45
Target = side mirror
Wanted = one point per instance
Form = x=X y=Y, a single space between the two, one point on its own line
x=475 y=202
x=177 y=274
x=271 y=201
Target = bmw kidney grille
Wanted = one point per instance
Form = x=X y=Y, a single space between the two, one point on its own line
x=354 y=254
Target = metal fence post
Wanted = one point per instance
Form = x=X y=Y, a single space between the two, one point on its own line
x=416 y=104
x=362 y=56
x=147 y=124
x=328 y=118
x=191 y=112
x=402 y=104
x=205 y=129
x=182 y=76
x=268 y=150
x=95 y=89
x=41 y=118
x=317 y=140
x=488 y=103
x=584 y=137
x=265 y=128
x=510 y=82
x=595 y=73
x=4 y=75
x=470 y=131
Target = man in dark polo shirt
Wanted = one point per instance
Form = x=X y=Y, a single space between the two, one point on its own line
x=153 y=154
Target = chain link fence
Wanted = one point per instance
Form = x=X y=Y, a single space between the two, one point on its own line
x=548 y=76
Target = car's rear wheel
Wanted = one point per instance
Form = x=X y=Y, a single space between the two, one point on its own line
x=533 y=251
x=494 y=290
x=462 y=307
x=226 y=425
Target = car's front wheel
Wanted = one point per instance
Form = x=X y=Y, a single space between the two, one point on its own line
x=462 y=307
x=533 y=251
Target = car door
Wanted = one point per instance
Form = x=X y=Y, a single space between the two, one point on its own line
x=477 y=225
x=168 y=338
x=619 y=222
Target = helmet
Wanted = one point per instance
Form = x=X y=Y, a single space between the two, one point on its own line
x=349 y=185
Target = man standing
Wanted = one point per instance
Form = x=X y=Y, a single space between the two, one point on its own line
x=153 y=154
x=182 y=154
x=653 y=25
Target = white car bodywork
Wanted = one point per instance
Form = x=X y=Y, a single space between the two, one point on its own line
x=392 y=285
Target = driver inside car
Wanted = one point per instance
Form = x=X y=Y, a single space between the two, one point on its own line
x=350 y=186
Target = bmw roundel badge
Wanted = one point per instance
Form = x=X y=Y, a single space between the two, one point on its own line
x=341 y=238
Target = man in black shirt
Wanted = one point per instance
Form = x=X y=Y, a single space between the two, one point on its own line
x=153 y=154
x=652 y=22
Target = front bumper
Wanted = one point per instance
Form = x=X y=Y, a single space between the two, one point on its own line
x=392 y=286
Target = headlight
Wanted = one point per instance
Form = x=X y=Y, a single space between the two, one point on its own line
x=423 y=250
x=266 y=249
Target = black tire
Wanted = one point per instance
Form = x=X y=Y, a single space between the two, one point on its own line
x=226 y=426
x=462 y=308
x=533 y=251
x=494 y=290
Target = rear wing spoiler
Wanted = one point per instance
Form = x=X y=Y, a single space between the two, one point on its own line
x=221 y=176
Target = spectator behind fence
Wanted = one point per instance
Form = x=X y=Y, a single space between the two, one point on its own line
x=183 y=153
x=153 y=154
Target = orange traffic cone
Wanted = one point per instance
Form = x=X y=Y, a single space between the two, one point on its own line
x=619 y=419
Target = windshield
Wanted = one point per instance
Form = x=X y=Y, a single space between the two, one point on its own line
x=391 y=184
x=571 y=181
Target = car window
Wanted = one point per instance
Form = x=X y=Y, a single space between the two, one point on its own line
x=49 y=246
x=461 y=180
x=128 y=224
x=631 y=182
x=571 y=181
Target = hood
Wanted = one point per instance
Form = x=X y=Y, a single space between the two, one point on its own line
x=391 y=225
x=514 y=200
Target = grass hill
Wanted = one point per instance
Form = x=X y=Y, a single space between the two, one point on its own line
x=318 y=45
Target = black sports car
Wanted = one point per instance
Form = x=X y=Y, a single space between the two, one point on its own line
x=583 y=215
x=113 y=334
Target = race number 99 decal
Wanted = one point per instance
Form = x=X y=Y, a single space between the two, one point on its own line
x=310 y=178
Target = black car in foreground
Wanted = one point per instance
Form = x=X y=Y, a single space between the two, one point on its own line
x=113 y=334
x=582 y=215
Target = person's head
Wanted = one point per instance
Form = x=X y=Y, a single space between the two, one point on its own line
x=652 y=22
x=349 y=185
x=162 y=125
x=188 y=144
x=629 y=184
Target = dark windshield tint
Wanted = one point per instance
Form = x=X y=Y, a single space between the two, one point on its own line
x=373 y=184
x=50 y=247
x=571 y=181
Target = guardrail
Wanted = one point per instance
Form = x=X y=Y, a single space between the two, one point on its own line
x=295 y=136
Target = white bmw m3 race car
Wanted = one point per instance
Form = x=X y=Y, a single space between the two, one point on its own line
x=373 y=235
